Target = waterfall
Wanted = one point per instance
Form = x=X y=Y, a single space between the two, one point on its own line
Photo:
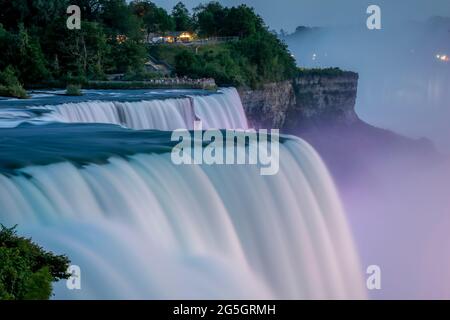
x=141 y=227
x=219 y=110
x=168 y=114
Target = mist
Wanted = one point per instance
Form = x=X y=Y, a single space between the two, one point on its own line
x=404 y=79
x=395 y=191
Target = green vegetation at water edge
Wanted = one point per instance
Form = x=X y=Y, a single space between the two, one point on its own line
x=27 y=271
x=73 y=90
x=10 y=85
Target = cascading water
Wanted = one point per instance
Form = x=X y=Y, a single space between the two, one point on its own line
x=216 y=111
x=141 y=227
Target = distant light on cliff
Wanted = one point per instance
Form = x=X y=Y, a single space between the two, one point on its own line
x=443 y=57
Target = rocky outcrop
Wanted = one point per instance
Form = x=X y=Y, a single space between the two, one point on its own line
x=319 y=107
x=310 y=99
x=267 y=107
x=323 y=98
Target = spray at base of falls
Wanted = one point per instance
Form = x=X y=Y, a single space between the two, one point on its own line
x=140 y=227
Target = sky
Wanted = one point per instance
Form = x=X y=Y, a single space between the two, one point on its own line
x=288 y=14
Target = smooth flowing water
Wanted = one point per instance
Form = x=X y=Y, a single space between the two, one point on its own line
x=141 y=227
x=221 y=110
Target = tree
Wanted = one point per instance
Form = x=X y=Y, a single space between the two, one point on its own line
x=90 y=9
x=186 y=63
x=127 y=56
x=242 y=21
x=154 y=18
x=27 y=270
x=36 y=13
x=182 y=19
x=215 y=20
x=268 y=54
x=210 y=18
x=24 y=52
x=83 y=52
x=32 y=63
x=9 y=48
x=117 y=18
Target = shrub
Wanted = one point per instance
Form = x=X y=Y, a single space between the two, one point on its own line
x=13 y=91
x=27 y=270
x=320 y=72
x=73 y=90
x=10 y=85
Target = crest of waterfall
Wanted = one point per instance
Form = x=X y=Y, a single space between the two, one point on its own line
x=220 y=110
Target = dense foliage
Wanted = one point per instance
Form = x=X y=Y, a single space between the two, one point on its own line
x=321 y=72
x=26 y=270
x=38 y=47
x=257 y=57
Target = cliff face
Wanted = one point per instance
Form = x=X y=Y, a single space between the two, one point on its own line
x=307 y=100
x=321 y=110
x=268 y=107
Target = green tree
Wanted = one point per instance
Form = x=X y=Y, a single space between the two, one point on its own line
x=182 y=18
x=128 y=56
x=242 y=21
x=27 y=270
x=31 y=61
x=154 y=18
x=8 y=47
x=186 y=63
x=210 y=18
x=117 y=17
x=82 y=53
x=90 y=9
x=31 y=14
x=270 y=56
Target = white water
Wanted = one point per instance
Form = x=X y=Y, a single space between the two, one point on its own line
x=144 y=228
x=222 y=110
x=141 y=227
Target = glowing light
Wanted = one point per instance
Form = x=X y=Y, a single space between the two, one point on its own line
x=120 y=38
x=443 y=57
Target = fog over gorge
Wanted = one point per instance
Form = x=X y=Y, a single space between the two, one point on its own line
x=396 y=198
x=404 y=72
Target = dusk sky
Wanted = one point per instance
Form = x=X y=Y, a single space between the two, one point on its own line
x=288 y=14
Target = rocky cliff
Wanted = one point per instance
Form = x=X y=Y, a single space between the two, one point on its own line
x=307 y=100
x=320 y=108
x=268 y=106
